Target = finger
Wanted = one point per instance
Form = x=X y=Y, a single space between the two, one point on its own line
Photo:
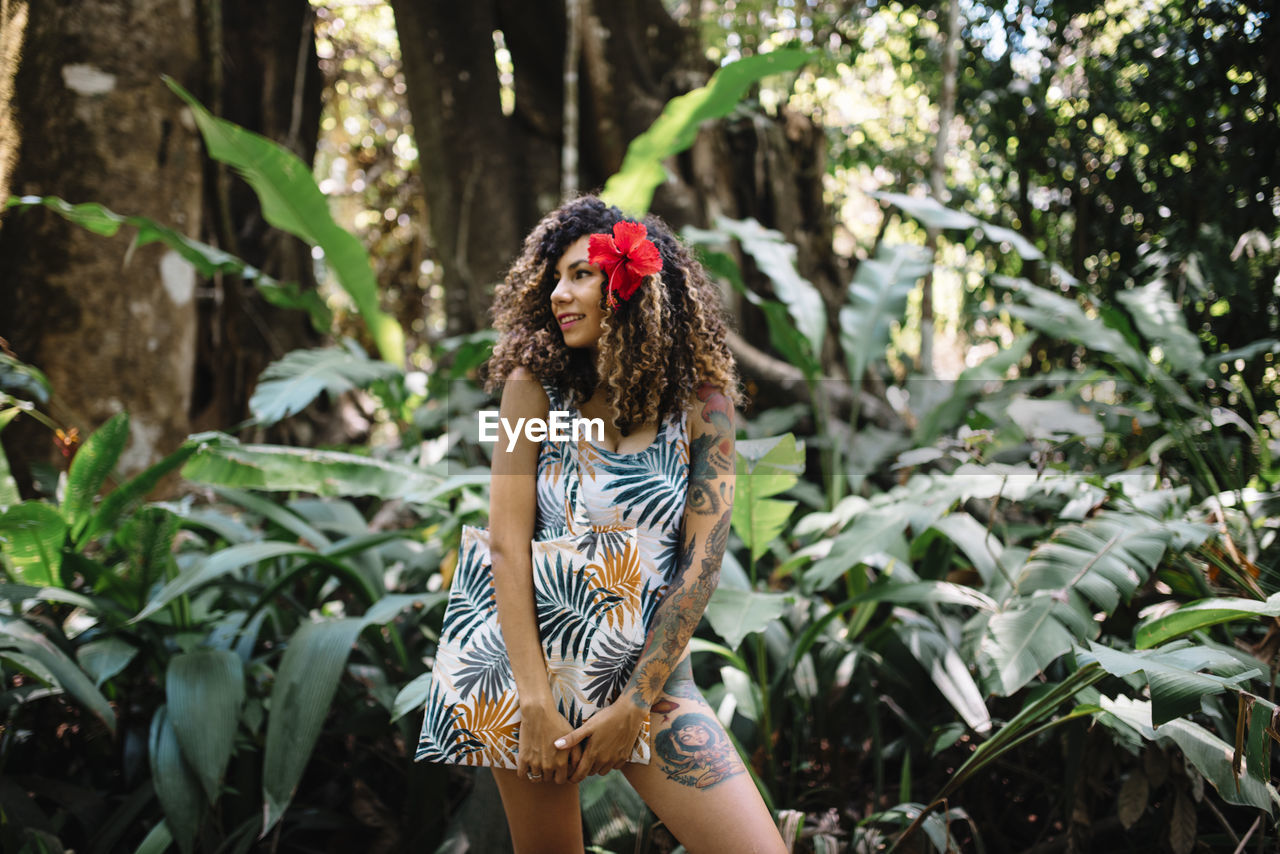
x=585 y=768
x=564 y=742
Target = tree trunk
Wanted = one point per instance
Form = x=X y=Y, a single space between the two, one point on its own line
x=112 y=329
x=489 y=176
x=118 y=329
x=13 y=21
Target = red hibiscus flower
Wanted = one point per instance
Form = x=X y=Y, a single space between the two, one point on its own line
x=627 y=258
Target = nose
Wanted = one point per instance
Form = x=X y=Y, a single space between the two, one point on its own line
x=561 y=292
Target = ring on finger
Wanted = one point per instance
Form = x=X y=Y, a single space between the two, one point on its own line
x=533 y=776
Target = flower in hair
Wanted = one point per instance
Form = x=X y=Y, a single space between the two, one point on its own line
x=627 y=258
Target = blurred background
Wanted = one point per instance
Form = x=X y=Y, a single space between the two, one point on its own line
x=1003 y=285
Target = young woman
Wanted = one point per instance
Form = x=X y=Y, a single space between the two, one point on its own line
x=614 y=320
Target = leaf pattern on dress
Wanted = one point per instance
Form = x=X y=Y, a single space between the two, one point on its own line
x=595 y=593
x=569 y=610
x=612 y=668
x=442 y=740
x=495 y=723
x=650 y=598
x=619 y=574
x=604 y=539
x=471 y=599
x=485 y=665
x=651 y=486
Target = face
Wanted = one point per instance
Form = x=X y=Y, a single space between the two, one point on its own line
x=693 y=735
x=575 y=302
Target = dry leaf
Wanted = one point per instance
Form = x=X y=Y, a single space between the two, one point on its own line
x=1182 y=825
x=1132 y=801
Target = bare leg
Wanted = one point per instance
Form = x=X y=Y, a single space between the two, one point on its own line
x=545 y=818
x=696 y=783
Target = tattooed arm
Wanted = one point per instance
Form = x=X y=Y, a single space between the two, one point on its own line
x=708 y=510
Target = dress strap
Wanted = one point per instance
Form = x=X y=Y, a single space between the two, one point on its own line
x=575 y=509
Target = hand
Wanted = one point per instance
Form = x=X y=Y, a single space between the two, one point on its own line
x=610 y=735
x=540 y=726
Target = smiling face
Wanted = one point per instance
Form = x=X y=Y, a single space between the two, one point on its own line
x=575 y=302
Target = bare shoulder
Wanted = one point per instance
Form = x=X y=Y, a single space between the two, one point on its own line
x=523 y=395
x=711 y=412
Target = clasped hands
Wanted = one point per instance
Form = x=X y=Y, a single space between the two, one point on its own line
x=551 y=751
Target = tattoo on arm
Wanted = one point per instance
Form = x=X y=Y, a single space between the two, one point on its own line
x=678 y=616
x=697 y=568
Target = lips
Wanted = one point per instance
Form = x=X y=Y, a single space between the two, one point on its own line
x=567 y=320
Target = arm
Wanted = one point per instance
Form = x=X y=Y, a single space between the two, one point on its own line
x=513 y=505
x=708 y=509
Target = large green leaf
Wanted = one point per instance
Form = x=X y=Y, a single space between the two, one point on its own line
x=292 y=202
x=875 y=531
x=1201 y=615
x=1209 y=754
x=932 y=214
x=289 y=384
x=734 y=614
x=1173 y=676
x=91 y=466
x=21 y=380
x=218 y=565
x=1063 y=318
x=878 y=297
x=31 y=537
x=1161 y=321
x=784 y=335
x=304 y=687
x=1080 y=569
x=1029 y=635
x=176 y=784
x=207 y=260
x=947 y=670
x=205 y=692
x=222 y=461
x=765 y=467
x=631 y=188
x=105 y=657
x=8 y=486
x=127 y=495
x=776 y=258
x=1106 y=558
x=16 y=634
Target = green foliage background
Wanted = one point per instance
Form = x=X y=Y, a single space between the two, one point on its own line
x=1045 y=592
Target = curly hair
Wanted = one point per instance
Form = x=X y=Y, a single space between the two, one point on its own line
x=656 y=349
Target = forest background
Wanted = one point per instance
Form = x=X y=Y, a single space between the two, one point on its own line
x=1004 y=281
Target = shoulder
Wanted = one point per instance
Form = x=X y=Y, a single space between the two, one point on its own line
x=523 y=394
x=710 y=411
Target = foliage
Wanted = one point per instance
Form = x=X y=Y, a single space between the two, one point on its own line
x=292 y=202
x=631 y=188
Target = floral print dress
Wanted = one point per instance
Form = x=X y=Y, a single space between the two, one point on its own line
x=599 y=573
x=645 y=490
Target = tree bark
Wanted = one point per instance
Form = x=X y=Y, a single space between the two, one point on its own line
x=119 y=329
x=13 y=21
x=489 y=176
x=113 y=329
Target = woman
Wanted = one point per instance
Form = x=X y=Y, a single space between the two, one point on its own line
x=616 y=321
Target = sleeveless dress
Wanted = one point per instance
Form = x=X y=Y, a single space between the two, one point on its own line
x=646 y=490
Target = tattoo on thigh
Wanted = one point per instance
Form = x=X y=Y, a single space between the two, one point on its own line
x=694 y=751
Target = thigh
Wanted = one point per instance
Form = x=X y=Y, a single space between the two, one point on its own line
x=543 y=817
x=695 y=781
